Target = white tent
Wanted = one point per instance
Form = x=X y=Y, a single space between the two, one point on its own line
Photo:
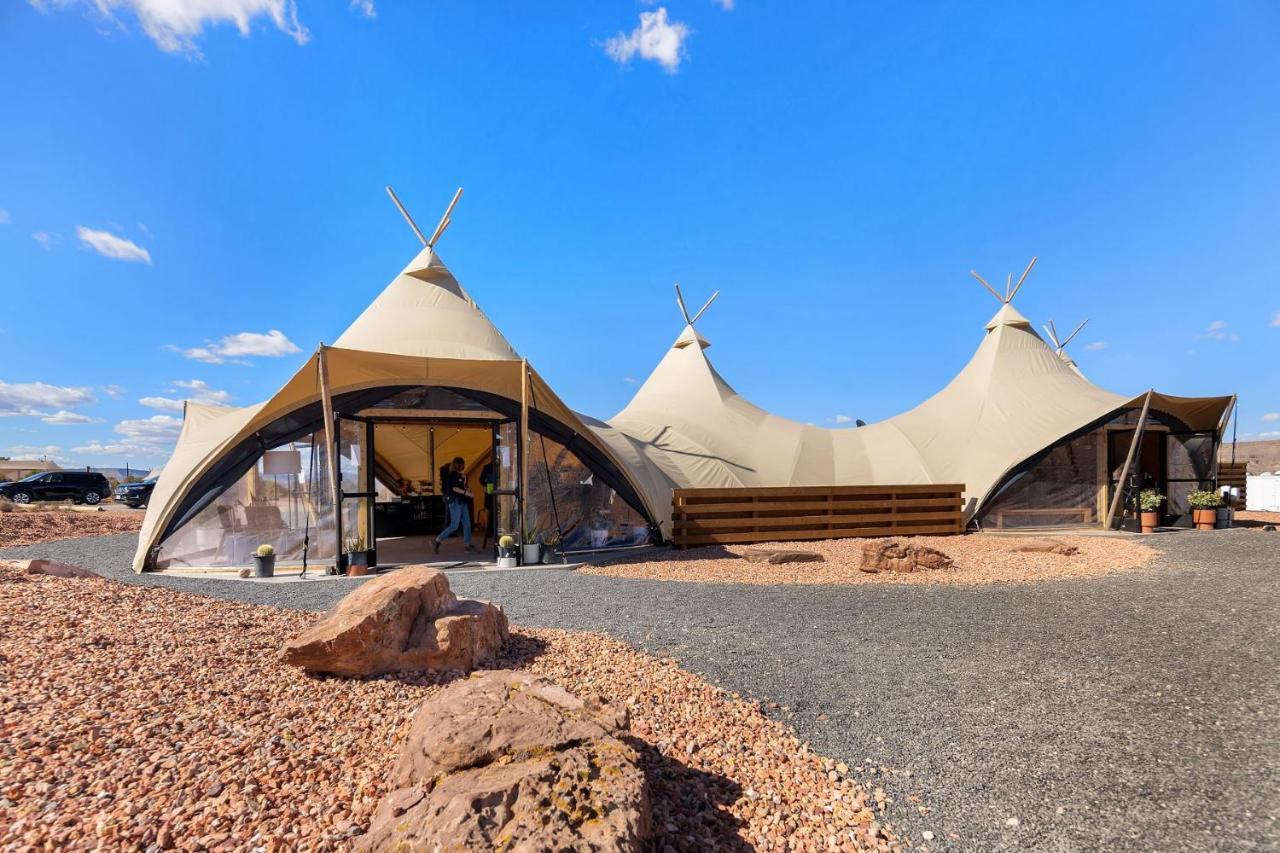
x=998 y=427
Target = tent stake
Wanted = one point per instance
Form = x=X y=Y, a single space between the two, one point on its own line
x=1128 y=461
x=326 y=403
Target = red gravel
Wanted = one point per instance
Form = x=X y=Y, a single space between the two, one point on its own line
x=30 y=527
x=979 y=558
x=132 y=716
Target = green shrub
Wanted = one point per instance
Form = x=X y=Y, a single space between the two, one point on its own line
x=1204 y=500
x=1149 y=500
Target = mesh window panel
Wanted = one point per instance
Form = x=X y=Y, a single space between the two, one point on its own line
x=259 y=509
x=590 y=514
x=1061 y=490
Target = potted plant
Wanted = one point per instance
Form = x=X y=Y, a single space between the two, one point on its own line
x=357 y=556
x=264 y=562
x=550 y=544
x=531 y=554
x=1204 y=509
x=507 y=551
x=1149 y=501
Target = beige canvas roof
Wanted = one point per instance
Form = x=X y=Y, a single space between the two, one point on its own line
x=423 y=329
x=1014 y=398
x=686 y=426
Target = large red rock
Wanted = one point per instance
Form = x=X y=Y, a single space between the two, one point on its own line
x=407 y=620
x=510 y=761
x=889 y=556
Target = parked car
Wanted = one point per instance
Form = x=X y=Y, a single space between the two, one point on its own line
x=136 y=494
x=77 y=486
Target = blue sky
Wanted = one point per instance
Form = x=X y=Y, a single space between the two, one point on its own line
x=188 y=205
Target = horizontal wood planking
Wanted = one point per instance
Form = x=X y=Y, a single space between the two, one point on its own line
x=781 y=513
x=1235 y=474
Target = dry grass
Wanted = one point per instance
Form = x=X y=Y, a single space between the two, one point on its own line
x=979 y=559
x=137 y=716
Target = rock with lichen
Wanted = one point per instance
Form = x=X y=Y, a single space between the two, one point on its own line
x=508 y=760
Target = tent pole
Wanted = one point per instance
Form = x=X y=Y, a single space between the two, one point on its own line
x=1128 y=461
x=524 y=447
x=326 y=403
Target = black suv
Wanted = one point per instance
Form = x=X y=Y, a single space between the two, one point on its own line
x=136 y=494
x=77 y=486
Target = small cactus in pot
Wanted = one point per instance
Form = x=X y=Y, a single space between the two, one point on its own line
x=264 y=561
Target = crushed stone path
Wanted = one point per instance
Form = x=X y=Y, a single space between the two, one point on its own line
x=1132 y=711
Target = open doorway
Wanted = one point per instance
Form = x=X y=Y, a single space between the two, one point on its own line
x=412 y=458
x=1149 y=463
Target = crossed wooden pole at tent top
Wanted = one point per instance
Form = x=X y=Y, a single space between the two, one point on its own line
x=1060 y=345
x=685 y=311
x=1010 y=289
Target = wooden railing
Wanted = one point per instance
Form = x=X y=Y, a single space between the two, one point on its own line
x=1234 y=474
x=793 y=513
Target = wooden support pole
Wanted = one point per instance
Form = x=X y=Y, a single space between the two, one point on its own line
x=524 y=449
x=326 y=404
x=1128 y=462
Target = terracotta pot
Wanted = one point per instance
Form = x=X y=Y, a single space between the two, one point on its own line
x=356 y=570
x=1149 y=521
x=1205 y=519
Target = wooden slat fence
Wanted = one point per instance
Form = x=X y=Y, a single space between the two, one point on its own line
x=1234 y=474
x=794 y=513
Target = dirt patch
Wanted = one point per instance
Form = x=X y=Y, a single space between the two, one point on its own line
x=139 y=716
x=979 y=559
x=33 y=526
x=1256 y=518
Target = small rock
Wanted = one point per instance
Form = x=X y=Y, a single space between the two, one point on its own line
x=927 y=835
x=774 y=556
x=1013 y=822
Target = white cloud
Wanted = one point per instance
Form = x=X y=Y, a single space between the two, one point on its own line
x=36 y=398
x=631 y=380
x=1271 y=417
x=1094 y=346
x=115 y=392
x=364 y=7
x=840 y=419
x=273 y=344
x=5 y=218
x=1217 y=331
x=33 y=451
x=174 y=25
x=1275 y=321
x=144 y=437
x=200 y=393
x=656 y=39
x=727 y=5
x=110 y=246
x=65 y=417
x=44 y=238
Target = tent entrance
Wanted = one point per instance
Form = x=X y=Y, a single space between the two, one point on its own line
x=411 y=457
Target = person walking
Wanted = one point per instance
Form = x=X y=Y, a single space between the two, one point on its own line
x=457 y=498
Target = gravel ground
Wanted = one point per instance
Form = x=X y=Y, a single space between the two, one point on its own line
x=979 y=558
x=1138 y=710
x=30 y=526
x=135 y=716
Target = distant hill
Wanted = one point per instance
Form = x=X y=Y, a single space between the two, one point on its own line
x=1261 y=455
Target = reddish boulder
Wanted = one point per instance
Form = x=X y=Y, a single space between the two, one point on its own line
x=777 y=556
x=402 y=621
x=508 y=760
x=889 y=556
x=52 y=568
x=1043 y=545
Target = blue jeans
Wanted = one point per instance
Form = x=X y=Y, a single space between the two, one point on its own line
x=459 y=517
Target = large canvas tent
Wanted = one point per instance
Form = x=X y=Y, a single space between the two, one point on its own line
x=1033 y=441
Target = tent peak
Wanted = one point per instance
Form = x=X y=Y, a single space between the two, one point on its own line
x=689 y=337
x=1009 y=316
x=445 y=220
